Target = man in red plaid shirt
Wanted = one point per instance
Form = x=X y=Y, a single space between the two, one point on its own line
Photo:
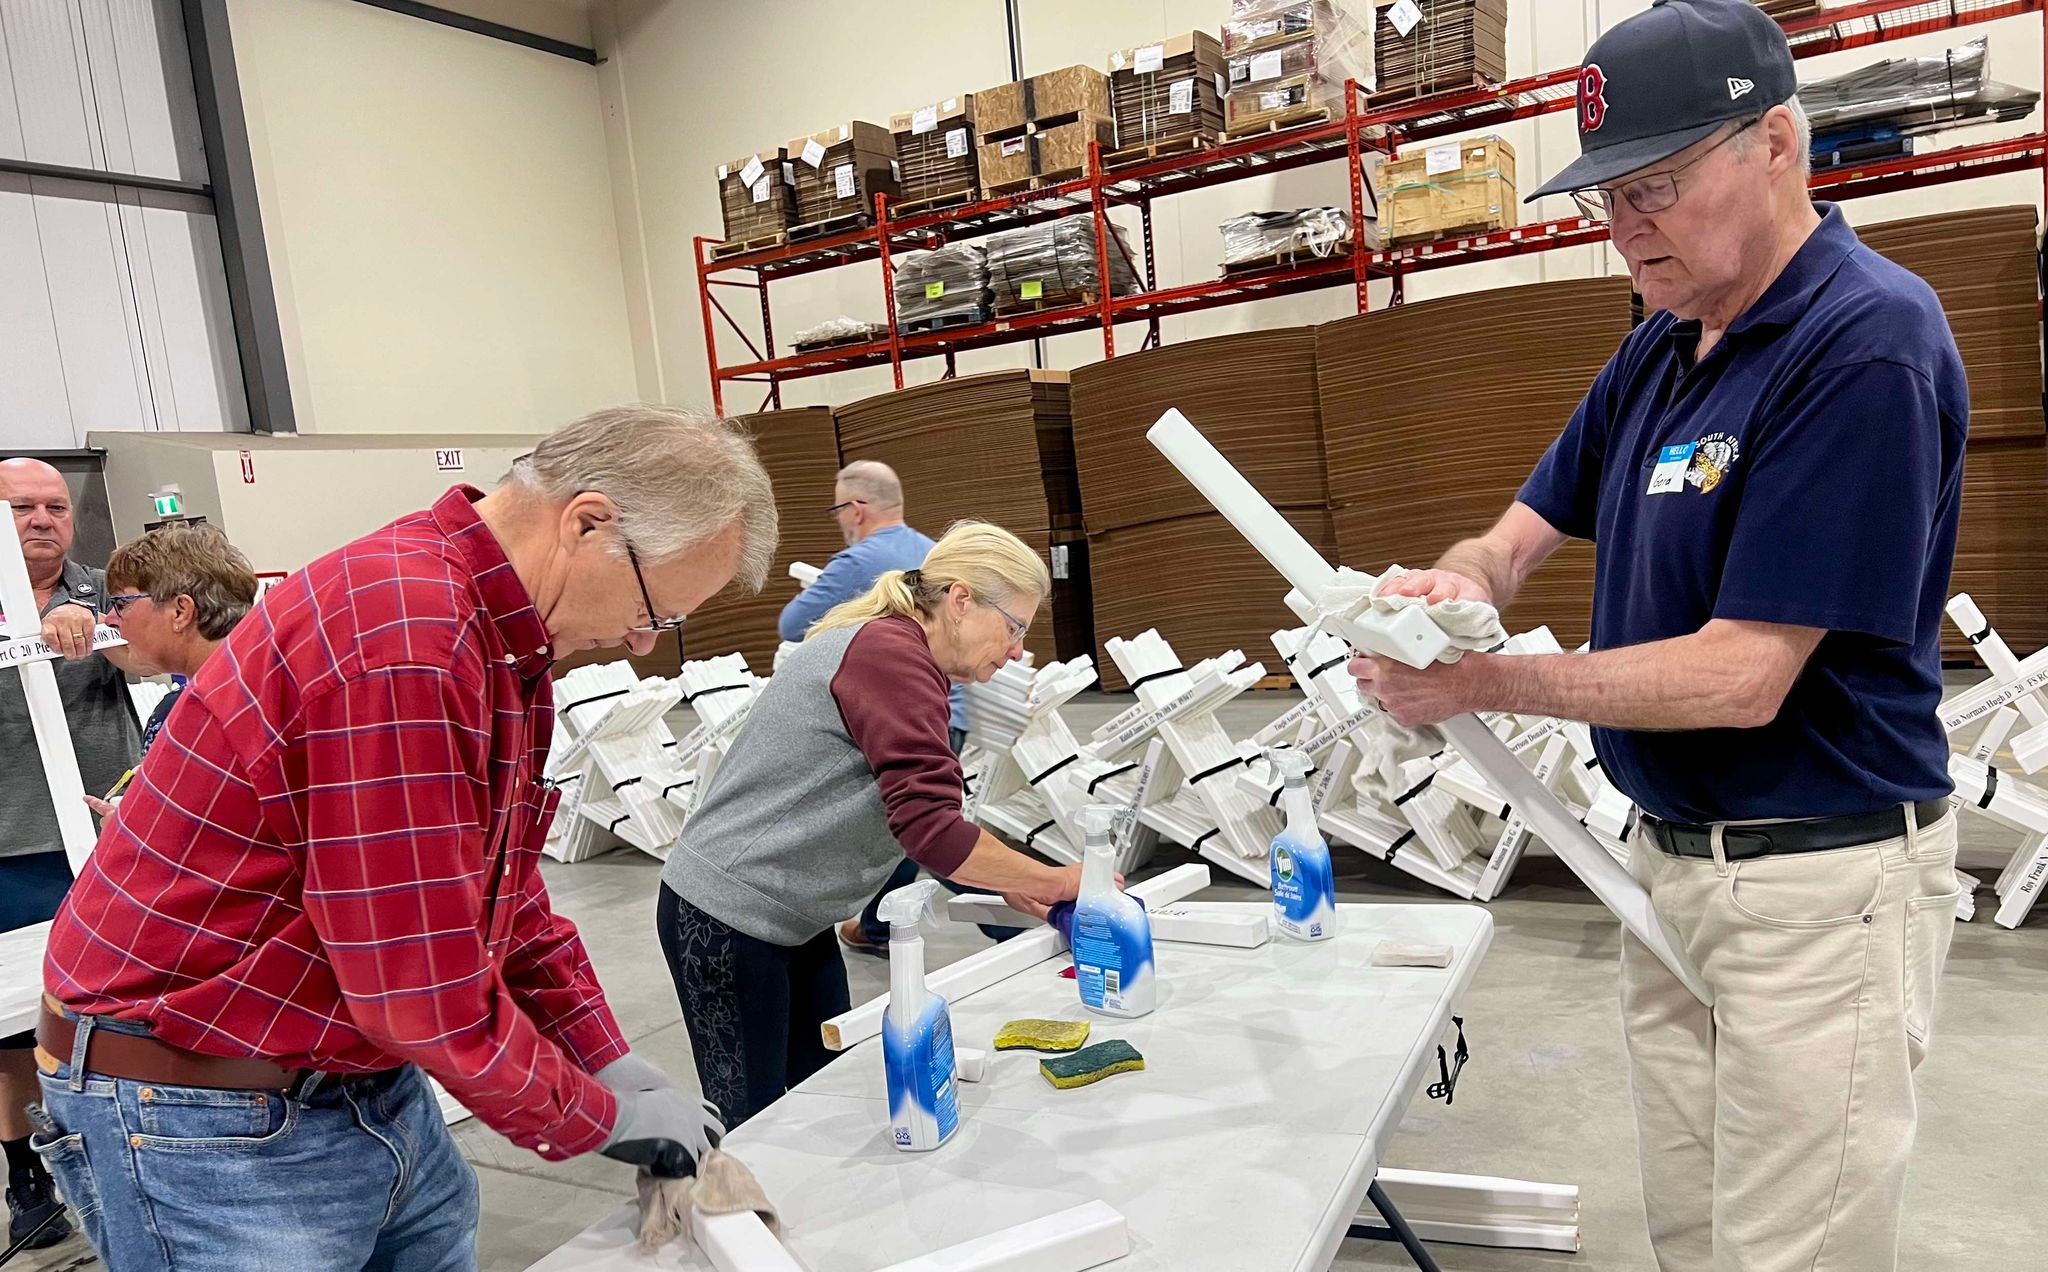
x=323 y=884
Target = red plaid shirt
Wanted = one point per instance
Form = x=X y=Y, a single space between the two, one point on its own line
x=330 y=858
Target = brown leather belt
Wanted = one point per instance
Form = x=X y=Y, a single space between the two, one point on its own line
x=142 y=1059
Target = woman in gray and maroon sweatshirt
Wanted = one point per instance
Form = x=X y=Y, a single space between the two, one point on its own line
x=843 y=767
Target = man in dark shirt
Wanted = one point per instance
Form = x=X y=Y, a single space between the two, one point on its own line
x=1771 y=466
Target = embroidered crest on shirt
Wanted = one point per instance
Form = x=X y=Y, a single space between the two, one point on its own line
x=1715 y=454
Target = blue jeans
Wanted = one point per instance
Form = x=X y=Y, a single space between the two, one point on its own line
x=360 y=1176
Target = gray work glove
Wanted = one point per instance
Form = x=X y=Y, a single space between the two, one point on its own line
x=630 y=1073
x=665 y=1132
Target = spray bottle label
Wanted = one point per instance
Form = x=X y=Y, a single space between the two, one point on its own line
x=1303 y=888
x=920 y=1071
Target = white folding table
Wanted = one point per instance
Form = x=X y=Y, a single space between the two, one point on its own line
x=1274 y=1078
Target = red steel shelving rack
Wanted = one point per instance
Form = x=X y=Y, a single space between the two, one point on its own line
x=1347 y=138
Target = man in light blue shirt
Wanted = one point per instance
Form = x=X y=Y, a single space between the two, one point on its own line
x=867 y=502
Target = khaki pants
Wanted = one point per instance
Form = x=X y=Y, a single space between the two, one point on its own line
x=1774 y=1129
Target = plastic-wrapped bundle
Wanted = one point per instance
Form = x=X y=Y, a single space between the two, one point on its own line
x=1289 y=57
x=839 y=330
x=1914 y=94
x=1054 y=263
x=1277 y=236
x=946 y=282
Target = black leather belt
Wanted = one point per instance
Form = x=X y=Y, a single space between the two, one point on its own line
x=1818 y=834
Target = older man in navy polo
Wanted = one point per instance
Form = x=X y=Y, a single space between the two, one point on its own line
x=1771 y=466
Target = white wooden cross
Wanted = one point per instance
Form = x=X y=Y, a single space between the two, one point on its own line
x=1986 y=714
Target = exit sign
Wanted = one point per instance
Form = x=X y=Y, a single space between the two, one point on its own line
x=448 y=461
x=167 y=505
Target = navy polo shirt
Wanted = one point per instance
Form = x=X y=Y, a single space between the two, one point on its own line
x=1807 y=471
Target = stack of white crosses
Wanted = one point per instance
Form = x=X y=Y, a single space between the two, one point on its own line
x=624 y=775
x=1422 y=808
x=2001 y=725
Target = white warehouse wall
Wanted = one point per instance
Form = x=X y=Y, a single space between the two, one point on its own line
x=437 y=207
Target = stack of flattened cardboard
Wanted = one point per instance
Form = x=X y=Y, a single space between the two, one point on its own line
x=1424 y=47
x=1254 y=395
x=801 y=453
x=1286 y=61
x=838 y=172
x=1037 y=131
x=1981 y=263
x=935 y=155
x=1168 y=96
x=997 y=448
x=755 y=195
x=1435 y=412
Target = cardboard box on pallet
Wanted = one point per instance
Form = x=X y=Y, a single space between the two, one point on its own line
x=1006 y=110
x=1430 y=192
x=1168 y=91
x=1009 y=164
x=754 y=195
x=1287 y=60
x=935 y=150
x=840 y=171
x=1438 y=46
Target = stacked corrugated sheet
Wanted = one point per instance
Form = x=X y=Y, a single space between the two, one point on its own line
x=935 y=151
x=1167 y=93
x=1430 y=430
x=1053 y=263
x=800 y=452
x=1981 y=264
x=943 y=285
x=1453 y=44
x=1254 y=395
x=996 y=447
x=839 y=171
x=1197 y=581
x=755 y=195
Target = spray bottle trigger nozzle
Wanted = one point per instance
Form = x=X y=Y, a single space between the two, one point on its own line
x=911 y=904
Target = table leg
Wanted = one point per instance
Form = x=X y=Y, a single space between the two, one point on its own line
x=1402 y=1232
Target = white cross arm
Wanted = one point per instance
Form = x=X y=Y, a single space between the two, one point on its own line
x=1411 y=636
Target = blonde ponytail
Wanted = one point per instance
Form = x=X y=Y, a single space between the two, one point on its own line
x=993 y=563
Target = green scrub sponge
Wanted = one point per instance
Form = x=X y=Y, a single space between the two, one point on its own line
x=1042 y=1035
x=1091 y=1065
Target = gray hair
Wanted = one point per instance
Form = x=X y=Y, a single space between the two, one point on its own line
x=1802 y=133
x=678 y=477
x=188 y=560
x=874 y=483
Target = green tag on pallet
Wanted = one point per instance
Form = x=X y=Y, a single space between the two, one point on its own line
x=932 y=291
x=1032 y=290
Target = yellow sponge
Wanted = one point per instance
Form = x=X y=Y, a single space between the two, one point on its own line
x=1092 y=1065
x=1042 y=1035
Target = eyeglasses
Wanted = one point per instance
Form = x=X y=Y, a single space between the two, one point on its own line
x=118 y=605
x=1654 y=193
x=835 y=509
x=653 y=624
x=1017 y=629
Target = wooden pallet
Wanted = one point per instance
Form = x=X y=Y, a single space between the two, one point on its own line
x=1306 y=117
x=913 y=207
x=1011 y=308
x=1039 y=182
x=830 y=225
x=1274 y=684
x=1444 y=235
x=1422 y=92
x=945 y=322
x=734 y=247
x=1280 y=260
x=1131 y=155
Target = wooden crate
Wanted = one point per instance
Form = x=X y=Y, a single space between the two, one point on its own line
x=1425 y=195
x=1055 y=153
x=1054 y=97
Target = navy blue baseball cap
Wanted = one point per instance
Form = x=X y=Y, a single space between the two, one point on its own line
x=1669 y=77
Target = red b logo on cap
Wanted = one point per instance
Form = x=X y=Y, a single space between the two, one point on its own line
x=1592 y=97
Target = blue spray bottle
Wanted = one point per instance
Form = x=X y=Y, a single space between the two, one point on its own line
x=917 y=1031
x=1304 y=889
x=1111 y=937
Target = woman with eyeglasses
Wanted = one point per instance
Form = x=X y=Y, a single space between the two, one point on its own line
x=174 y=595
x=842 y=768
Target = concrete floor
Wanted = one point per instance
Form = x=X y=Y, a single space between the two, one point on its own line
x=1544 y=1097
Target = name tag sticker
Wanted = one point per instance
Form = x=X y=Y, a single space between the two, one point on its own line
x=1669 y=474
